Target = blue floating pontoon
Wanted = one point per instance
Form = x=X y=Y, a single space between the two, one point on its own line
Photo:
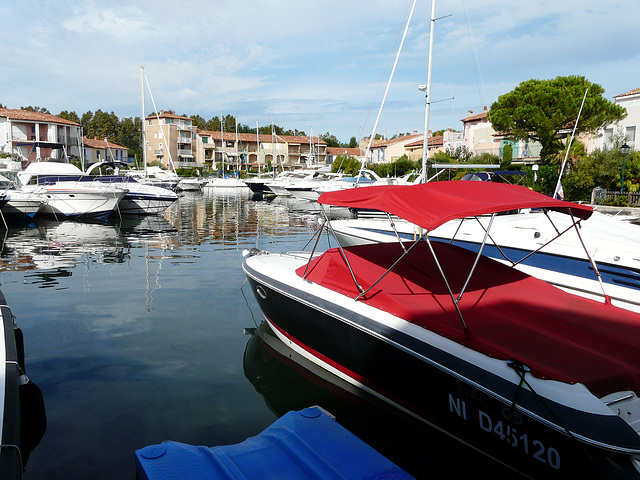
x=300 y=445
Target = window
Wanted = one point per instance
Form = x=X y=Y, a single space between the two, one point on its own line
x=608 y=137
x=630 y=135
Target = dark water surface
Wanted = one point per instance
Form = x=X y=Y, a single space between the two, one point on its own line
x=135 y=333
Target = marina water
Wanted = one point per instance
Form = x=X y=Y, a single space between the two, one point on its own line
x=142 y=330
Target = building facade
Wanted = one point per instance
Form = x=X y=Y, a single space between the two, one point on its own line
x=170 y=140
x=95 y=150
x=387 y=151
x=29 y=136
x=626 y=130
x=225 y=151
x=335 y=152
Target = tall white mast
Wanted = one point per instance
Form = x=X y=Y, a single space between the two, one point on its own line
x=427 y=90
x=144 y=135
x=384 y=98
x=258 y=148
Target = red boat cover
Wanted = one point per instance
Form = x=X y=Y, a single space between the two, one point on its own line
x=429 y=205
x=509 y=315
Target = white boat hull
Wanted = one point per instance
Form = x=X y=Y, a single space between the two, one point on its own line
x=79 y=202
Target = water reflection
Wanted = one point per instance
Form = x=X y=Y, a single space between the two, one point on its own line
x=60 y=245
x=288 y=381
x=139 y=333
x=223 y=219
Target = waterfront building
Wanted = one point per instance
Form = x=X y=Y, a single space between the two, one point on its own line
x=387 y=151
x=335 y=152
x=170 y=140
x=34 y=136
x=97 y=150
x=226 y=151
x=479 y=137
x=415 y=149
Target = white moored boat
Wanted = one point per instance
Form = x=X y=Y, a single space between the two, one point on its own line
x=140 y=198
x=67 y=196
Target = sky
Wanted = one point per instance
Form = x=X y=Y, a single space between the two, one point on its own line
x=316 y=66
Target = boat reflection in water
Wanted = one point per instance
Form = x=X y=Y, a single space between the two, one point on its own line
x=288 y=381
x=53 y=248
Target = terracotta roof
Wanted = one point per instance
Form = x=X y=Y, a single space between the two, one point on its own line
x=386 y=143
x=472 y=118
x=168 y=114
x=96 y=143
x=635 y=91
x=30 y=116
x=251 y=137
x=438 y=140
x=354 y=152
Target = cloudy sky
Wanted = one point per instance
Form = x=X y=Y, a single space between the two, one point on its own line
x=317 y=66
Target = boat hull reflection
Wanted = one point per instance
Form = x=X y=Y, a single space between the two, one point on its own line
x=288 y=381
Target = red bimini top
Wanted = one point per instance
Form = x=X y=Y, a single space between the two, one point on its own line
x=509 y=315
x=429 y=205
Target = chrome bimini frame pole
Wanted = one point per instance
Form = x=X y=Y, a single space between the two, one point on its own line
x=404 y=254
x=326 y=223
x=607 y=298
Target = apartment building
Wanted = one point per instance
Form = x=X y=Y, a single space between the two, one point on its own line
x=96 y=150
x=230 y=151
x=170 y=140
x=32 y=136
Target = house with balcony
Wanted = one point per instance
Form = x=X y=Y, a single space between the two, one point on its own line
x=335 y=152
x=414 y=149
x=387 y=151
x=480 y=138
x=624 y=131
x=228 y=151
x=452 y=141
x=170 y=140
x=102 y=150
x=34 y=136
x=479 y=135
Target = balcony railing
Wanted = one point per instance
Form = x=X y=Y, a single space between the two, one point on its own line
x=44 y=138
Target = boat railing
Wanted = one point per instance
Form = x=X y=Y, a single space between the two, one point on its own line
x=82 y=181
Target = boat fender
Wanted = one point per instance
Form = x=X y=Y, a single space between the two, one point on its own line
x=17 y=333
x=33 y=418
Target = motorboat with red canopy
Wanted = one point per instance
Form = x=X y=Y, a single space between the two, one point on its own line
x=539 y=379
x=560 y=257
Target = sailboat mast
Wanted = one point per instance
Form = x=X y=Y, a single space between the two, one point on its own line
x=425 y=145
x=258 y=148
x=144 y=135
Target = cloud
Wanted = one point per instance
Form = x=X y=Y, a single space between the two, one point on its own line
x=311 y=63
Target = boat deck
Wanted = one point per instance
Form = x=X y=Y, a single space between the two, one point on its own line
x=509 y=315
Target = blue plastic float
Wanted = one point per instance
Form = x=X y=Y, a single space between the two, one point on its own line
x=306 y=444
